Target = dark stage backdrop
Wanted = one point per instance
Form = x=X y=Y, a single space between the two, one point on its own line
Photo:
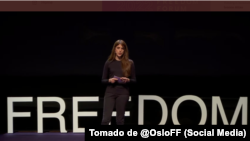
x=63 y=54
x=35 y=44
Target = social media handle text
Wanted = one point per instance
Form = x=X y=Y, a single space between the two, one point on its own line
x=144 y=133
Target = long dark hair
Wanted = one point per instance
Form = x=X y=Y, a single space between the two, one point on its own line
x=126 y=64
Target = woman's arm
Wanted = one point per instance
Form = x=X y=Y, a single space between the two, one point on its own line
x=132 y=78
x=105 y=74
x=133 y=75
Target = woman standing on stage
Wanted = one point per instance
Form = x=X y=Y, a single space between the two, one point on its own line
x=118 y=74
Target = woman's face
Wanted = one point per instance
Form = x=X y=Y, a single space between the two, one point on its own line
x=119 y=50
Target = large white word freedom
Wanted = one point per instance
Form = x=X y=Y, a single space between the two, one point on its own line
x=216 y=104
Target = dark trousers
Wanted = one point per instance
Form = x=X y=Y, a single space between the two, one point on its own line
x=119 y=101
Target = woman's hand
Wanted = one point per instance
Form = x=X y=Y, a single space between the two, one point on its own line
x=125 y=79
x=112 y=80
